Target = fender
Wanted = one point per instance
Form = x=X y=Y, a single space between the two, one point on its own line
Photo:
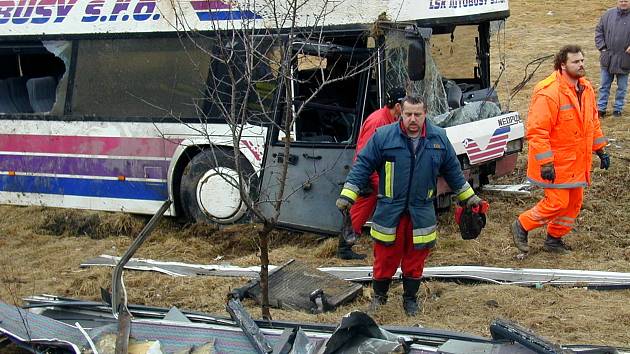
x=252 y=147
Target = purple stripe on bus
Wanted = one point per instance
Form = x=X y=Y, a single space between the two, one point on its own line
x=205 y=5
x=89 y=145
x=78 y=166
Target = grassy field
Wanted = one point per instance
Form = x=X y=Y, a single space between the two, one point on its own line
x=41 y=249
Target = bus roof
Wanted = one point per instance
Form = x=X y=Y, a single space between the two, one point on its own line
x=69 y=17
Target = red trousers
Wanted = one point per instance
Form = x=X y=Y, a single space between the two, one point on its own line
x=401 y=253
x=363 y=208
x=558 y=210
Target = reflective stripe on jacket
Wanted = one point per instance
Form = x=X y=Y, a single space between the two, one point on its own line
x=563 y=131
x=406 y=182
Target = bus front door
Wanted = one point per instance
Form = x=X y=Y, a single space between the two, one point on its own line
x=328 y=99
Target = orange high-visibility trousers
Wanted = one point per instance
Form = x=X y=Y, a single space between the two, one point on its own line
x=558 y=210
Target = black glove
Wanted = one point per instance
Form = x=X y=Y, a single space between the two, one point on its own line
x=548 y=172
x=604 y=159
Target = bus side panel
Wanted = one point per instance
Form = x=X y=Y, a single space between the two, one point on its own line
x=83 y=165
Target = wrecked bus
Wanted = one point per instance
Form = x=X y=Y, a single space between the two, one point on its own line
x=102 y=103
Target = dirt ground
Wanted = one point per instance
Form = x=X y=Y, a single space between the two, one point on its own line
x=41 y=248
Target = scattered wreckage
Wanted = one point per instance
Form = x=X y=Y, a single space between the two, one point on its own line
x=509 y=276
x=52 y=324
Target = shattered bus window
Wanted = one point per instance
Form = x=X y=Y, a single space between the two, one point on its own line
x=330 y=116
x=431 y=88
x=455 y=53
x=30 y=75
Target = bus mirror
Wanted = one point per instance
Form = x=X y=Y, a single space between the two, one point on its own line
x=416 y=63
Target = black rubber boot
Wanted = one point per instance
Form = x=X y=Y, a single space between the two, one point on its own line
x=344 y=250
x=410 y=295
x=556 y=245
x=519 y=235
x=379 y=297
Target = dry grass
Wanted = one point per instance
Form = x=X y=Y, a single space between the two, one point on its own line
x=41 y=249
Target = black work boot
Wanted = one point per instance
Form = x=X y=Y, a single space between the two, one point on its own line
x=410 y=295
x=344 y=250
x=519 y=235
x=556 y=245
x=379 y=297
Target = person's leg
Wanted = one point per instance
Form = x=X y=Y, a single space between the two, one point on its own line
x=413 y=259
x=564 y=222
x=387 y=257
x=553 y=203
x=622 y=89
x=386 y=262
x=412 y=266
x=604 y=89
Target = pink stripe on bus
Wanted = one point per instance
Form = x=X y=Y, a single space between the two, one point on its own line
x=88 y=145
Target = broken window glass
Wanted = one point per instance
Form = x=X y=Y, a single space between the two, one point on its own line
x=327 y=90
x=30 y=73
x=455 y=53
x=396 y=74
x=44 y=86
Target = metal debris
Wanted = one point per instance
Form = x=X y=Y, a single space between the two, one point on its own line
x=524 y=189
x=176 y=269
x=221 y=336
x=297 y=286
x=249 y=327
x=494 y=275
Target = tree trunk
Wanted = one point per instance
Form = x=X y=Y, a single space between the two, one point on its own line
x=263 y=236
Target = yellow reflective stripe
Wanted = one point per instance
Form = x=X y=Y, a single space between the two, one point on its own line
x=348 y=193
x=466 y=194
x=382 y=237
x=425 y=238
x=389 y=177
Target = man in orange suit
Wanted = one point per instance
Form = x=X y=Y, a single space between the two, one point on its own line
x=562 y=132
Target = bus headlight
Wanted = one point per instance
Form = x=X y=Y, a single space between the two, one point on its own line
x=514 y=146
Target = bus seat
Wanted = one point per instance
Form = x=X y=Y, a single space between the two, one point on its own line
x=41 y=93
x=453 y=94
x=19 y=94
x=6 y=104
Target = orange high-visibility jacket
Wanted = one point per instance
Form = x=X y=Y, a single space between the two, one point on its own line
x=563 y=131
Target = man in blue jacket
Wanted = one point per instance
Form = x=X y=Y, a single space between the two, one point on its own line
x=612 y=39
x=408 y=156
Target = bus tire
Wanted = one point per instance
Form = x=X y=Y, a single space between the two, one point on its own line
x=209 y=189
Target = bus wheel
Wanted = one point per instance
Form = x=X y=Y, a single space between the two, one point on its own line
x=209 y=188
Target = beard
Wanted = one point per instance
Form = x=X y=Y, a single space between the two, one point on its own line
x=576 y=74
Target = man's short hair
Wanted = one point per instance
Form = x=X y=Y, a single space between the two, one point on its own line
x=414 y=99
x=563 y=54
x=394 y=95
